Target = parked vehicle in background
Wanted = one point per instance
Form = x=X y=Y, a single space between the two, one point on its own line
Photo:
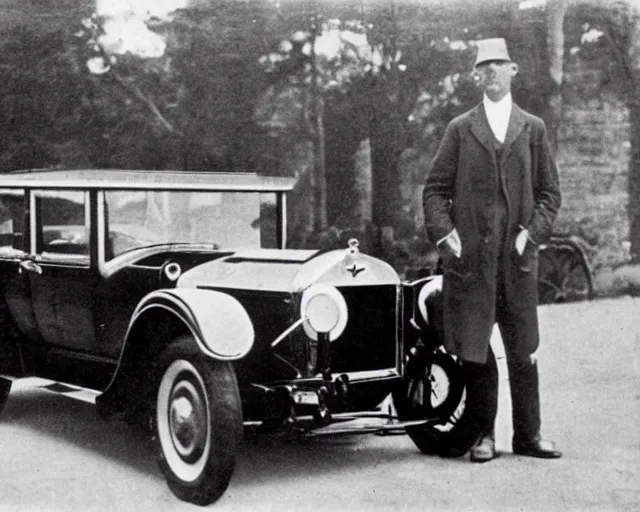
x=564 y=273
x=172 y=298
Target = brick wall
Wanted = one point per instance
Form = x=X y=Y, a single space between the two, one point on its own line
x=593 y=159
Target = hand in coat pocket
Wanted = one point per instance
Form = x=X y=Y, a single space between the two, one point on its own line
x=526 y=257
x=450 y=245
x=521 y=241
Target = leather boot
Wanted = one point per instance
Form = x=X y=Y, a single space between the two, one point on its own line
x=484 y=450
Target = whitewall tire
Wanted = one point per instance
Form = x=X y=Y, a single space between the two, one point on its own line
x=198 y=422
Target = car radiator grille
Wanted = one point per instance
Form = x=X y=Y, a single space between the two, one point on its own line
x=369 y=340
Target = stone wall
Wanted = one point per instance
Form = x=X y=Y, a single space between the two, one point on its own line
x=593 y=159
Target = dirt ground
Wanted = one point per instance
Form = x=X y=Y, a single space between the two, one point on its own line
x=56 y=455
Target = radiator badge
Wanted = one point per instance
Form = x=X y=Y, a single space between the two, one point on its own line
x=355 y=270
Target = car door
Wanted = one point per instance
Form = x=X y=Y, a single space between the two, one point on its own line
x=63 y=280
x=14 y=257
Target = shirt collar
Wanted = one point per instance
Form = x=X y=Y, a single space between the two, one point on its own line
x=502 y=105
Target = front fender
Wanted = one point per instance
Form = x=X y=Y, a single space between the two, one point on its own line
x=218 y=322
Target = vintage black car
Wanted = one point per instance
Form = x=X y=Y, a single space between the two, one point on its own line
x=173 y=298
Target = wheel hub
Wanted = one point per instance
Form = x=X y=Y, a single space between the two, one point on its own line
x=439 y=385
x=187 y=421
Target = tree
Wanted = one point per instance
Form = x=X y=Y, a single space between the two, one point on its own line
x=610 y=42
x=556 y=11
x=198 y=94
x=311 y=67
x=45 y=118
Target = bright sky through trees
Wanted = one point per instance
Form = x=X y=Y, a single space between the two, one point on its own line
x=125 y=28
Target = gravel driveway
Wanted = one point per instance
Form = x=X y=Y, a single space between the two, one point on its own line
x=56 y=455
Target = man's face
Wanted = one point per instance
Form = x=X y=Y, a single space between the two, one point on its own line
x=495 y=77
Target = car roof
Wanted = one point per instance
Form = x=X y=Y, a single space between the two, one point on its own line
x=127 y=179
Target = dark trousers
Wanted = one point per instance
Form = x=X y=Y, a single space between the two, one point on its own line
x=482 y=386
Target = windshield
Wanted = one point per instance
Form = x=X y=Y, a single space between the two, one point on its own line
x=226 y=220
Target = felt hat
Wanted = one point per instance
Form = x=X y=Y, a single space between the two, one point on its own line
x=492 y=49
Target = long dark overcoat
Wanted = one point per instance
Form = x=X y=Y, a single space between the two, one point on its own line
x=462 y=190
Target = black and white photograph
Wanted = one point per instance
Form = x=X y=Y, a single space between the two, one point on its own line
x=320 y=255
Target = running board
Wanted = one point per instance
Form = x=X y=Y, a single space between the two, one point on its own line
x=59 y=388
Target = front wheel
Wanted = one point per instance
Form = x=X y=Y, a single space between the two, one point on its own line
x=198 y=423
x=437 y=393
x=5 y=388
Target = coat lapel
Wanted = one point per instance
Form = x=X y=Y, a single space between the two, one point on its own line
x=516 y=125
x=480 y=128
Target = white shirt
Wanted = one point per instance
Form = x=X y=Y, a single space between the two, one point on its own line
x=498 y=114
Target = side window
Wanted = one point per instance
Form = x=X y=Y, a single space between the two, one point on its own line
x=11 y=222
x=62 y=225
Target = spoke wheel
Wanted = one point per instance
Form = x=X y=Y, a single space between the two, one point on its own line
x=438 y=394
x=564 y=275
x=198 y=423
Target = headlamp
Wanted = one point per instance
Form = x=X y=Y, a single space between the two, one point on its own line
x=324 y=310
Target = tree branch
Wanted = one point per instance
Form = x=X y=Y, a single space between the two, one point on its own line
x=135 y=91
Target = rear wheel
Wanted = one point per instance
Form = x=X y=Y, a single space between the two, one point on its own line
x=438 y=393
x=5 y=388
x=564 y=274
x=198 y=423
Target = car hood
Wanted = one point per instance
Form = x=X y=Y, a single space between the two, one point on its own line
x=290 y=270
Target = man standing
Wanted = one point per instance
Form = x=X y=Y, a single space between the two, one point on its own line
x=490 y=199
